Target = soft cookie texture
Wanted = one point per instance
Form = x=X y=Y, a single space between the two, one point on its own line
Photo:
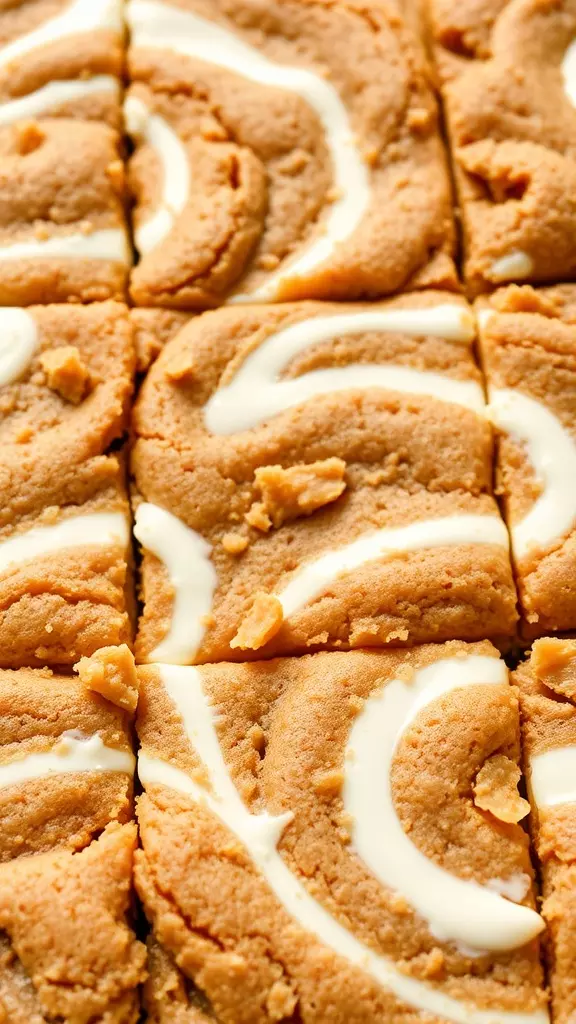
x=66 y=763
x=61 y=58
x=265 y=794
x=64 y=533
x=547 y=685
x=67 y=950
x=314 y=476
x=62 y=229
x=528 y=347
x=507 y=71
x=284 y=150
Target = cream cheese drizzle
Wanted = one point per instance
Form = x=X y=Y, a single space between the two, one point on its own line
x=105 y=244
x=142 y=124
x=552 y=454
x=96 y=529
x=515 y=265
x=69 y=755
x=18 y=343
x=260 y=834
x=256 y=392
x=55 y=94
x=159 y=25
x=313 y=579
x=552 y=777
x=455 y=909
x=78 y=17
x=186 y=557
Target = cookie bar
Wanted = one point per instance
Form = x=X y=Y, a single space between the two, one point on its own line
x=313 y=476
x=548 y=693
x=67 y=951
x=278 y=157
x=66 y=763
x=528 y=345
x=508 y=75
x=62 y=231
x=66 y=377
x=287 y=846
x=61 y=59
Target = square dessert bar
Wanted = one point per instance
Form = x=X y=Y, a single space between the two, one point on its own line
x=338 y=834
x=67 y=949
x=66 y=761
x=508 y=79
x=62 y=230
x=61 y=59
x=528 y=346
x=283 y=151
x=315 y=476
x=547 y=686
x=66 y=378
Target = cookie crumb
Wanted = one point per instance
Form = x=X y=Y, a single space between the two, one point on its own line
x=329 y=784
x=66 y=373
x=112 y=673
x=29 y=136
x=234 y=543
x=258 y=518
x=261 y=623
x=554 y=662
x=299 y=490
x=180 y=367
x=496 y=789
x=281 y=1001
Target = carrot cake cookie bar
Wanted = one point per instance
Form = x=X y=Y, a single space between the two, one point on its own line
x=293 y=869
x=61 y=58
x=66 y=377
x=67 y=951
x=548 y=696
x=528 y=345
x=283 y=151
x=508 y=78
x=314 y=475
x=62 y=231
x=66 y=762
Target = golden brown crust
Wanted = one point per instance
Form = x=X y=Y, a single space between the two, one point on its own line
x=282 y=727
x=407 y=458
x=262 y=182
x=512 y=131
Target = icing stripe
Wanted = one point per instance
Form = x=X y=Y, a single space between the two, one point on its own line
x=516 y=264
x=18 y=343
x=155 y=130
x=186 y=556
x=156 y=24
x=56 y=94
x=69 y=755
x=568 y=68
x=106 y=244
x=552 y=777
x=260 y=833
x=77 y=17
x=455 y=909
x=552 y=454
x=256 y=393
x=97 y=529
x=311 y=580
